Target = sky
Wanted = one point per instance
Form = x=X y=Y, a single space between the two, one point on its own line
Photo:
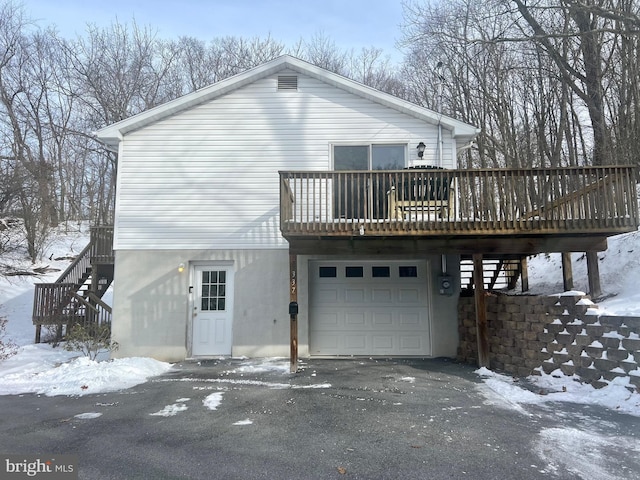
x=350 y=24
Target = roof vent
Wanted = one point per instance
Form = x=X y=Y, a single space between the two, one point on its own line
x=287 y=82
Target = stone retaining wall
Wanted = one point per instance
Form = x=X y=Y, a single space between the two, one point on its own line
x=531 y=334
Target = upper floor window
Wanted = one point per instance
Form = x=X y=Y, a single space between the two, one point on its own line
x=369 y=157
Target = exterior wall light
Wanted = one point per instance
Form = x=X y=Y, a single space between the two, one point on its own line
x=421 y=146
x=181 y=268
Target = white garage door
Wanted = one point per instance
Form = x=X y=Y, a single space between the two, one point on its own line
x=368 y=308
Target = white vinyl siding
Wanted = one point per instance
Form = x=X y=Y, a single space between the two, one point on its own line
x=207 y=178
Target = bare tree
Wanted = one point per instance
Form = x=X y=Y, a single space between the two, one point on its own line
x=24 y=75
x=530 y=73
x=320 y=50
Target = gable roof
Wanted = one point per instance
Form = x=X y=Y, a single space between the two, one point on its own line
x=113 y=134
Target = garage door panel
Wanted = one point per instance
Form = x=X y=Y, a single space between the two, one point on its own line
x=354 y=296
x=382 y=343
x=379 y=295
x=354 y=319
x=327 y=320
x=381 y=319
x=369 y=314
x=356 y=341
x=327 y=295
x=409 y=318
x=409 y=295
x=410 y=343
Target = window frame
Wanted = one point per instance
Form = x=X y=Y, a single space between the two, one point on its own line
x=370 y=147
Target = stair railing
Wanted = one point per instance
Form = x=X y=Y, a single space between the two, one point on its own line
x=77 y=269
x=52 y=301
x=96 y=311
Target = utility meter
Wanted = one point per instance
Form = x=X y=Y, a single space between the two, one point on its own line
x=445 y=283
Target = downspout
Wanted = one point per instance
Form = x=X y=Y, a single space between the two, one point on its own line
x=439 y=144
x=440 y=80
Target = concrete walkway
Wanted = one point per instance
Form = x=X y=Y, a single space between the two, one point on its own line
x=336 y=419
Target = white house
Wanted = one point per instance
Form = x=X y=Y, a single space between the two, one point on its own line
x=201 y=265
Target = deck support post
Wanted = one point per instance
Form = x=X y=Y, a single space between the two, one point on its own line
x=593 y=272
x=481 y=311
x=524 y=274
x=38 y=332
x=567 y=272
x=293 y=310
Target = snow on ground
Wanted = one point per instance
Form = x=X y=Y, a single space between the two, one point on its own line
x=264 y=365
x=619 y=278
x=619 y=274
x=244 y=422
x=587 y=452
x=40 y=368
x=584 y=453
x=502 y=390
x=213 y=400
x=171 y=410
x=53 y=371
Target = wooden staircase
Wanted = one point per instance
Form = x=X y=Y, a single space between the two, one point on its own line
x=76 y=297
x=500 y=272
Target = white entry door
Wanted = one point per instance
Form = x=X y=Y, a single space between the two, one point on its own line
x=212 y=310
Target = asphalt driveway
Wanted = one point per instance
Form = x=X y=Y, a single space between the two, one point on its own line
x=336 y=419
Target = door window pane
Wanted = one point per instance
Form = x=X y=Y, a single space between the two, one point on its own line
x=349 y=194
x=387 y=157
x=357 y=196
x=351 y=157
x=213 y=290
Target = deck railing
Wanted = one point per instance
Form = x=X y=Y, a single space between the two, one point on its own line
x=460 y=202
x=58 y=303
x=102 y=244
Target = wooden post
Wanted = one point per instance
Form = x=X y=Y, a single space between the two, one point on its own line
x=524 y=274
x=38 y=332
x=293 y=310
x=593 y=272
x=481 y=311
x=567 y=272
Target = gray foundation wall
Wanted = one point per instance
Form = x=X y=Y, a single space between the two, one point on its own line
x=151 y=303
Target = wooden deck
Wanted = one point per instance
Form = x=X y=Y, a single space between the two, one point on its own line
x=463 y=211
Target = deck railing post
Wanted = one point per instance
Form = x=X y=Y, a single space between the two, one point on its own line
x=482 y=328
x=593 y=273
x=293 y=311
x=567 y=271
